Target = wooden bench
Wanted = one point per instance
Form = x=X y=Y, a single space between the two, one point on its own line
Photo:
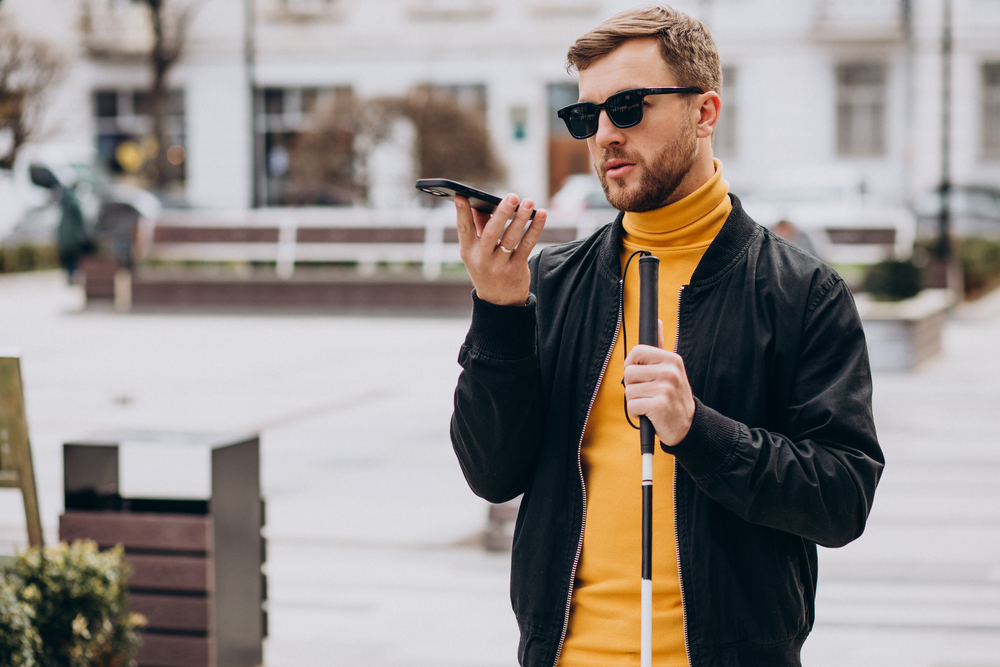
x=287 y=237
x=259 y=259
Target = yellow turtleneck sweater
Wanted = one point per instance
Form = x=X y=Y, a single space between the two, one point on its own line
x=604 y=616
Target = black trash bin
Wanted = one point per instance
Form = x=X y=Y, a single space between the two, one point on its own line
x=196 y=554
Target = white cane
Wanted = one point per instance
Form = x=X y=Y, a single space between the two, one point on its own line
x=649 y=296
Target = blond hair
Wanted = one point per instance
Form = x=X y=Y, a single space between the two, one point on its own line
x=685 y=43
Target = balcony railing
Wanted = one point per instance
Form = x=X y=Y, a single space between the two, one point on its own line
x=861 y=20
x=116 y=29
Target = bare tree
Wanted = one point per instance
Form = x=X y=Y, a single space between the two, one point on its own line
x=452 y=141
x=328 y=160
x=28 y=68
x=170 y=21
x=162 y=47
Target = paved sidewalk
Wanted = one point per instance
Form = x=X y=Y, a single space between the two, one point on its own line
x=371 y=525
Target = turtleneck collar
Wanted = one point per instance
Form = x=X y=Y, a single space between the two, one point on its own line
x=690 y=221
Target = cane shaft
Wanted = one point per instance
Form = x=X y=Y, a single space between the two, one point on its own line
x=649 y=297
x=646 y=618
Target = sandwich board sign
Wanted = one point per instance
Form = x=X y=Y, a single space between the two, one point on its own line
x=16 y=470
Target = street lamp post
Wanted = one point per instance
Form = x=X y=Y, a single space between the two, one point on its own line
x=944 y=250
x=249 y=67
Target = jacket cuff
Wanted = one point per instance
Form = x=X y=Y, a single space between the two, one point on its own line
x=502 y=332
x=709 y=443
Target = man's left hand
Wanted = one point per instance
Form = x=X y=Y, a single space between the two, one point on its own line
x=656 y=385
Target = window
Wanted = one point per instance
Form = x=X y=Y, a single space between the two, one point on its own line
x=285 y=174
x=567 y=156
x=851 y=21
x=469 y=96
x=863 y=13
x=991 y=111
x=861 y=92
x=724 y=140
x=308 y=6
x=123 y=120
x=450 y=9
x=305 y=9
x=563 y=8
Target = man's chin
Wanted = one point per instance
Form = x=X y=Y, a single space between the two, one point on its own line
x=619 y=195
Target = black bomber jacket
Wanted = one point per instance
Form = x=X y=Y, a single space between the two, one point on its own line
x=781 y=456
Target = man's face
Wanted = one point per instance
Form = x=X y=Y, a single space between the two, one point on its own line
x=641 y=168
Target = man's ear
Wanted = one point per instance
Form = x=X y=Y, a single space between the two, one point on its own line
x=708 y=113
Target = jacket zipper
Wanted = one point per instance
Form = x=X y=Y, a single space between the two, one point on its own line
x=583 y=483
x=677 y=543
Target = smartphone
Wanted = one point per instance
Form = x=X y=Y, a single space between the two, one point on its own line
x=443 y=187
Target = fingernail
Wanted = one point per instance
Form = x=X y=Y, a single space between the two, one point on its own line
x=511 y=199
x=527 y=204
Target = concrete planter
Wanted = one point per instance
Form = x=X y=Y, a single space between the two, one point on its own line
x=904 y=334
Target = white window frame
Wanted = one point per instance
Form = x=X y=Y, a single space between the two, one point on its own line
x=862 y=96
x=990 y=124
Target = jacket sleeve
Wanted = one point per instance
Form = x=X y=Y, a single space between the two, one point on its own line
x=496 y=425
x=818 y=478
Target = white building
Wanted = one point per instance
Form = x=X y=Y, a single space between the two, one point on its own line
x=808 y=83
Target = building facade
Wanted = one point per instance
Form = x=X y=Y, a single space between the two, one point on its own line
x=808 y=84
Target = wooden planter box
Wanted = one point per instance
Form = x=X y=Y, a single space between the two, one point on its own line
x=902 y=335
x=196 y=562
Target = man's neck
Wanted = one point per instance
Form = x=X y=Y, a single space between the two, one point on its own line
x=700 y=172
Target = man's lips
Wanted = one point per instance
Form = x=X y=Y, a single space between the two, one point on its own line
x=617 y=168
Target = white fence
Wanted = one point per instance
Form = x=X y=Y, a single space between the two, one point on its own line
x=365 y=237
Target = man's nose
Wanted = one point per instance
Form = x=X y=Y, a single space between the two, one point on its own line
x=608 y=134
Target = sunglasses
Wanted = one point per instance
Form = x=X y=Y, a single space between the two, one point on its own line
x=624 y=109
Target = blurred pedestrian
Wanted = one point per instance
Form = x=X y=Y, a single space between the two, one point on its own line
x=72 y=240
x=759 y=391
x=793 y=234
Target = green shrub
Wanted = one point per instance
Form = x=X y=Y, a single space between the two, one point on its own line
x=19 y=640
x=28 y=258
x=80 y=603
x=892 y=280
x=979 y=259
x=980 y=265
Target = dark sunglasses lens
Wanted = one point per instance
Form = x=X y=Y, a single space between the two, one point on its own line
x=625 y=109
x=581 y=120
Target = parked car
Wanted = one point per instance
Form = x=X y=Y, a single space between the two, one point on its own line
x=845 y=224
x=579 y=192
x=32 y=213
x=580 y=203
x=975 y=212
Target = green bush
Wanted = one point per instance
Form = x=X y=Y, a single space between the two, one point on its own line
x=28 y=258
x=980 y=265
x=79 y=600
x=19 y=640
x=979 y=259
x=892 y=280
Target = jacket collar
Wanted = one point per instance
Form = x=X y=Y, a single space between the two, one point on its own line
x=732 y=241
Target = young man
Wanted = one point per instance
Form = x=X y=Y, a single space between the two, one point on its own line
x=762 y=409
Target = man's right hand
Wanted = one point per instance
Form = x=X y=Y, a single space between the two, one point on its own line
x=497 y=259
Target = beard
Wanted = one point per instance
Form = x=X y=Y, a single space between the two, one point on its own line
x=658 y=180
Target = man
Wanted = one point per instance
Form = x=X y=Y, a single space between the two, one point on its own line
x=763 y=409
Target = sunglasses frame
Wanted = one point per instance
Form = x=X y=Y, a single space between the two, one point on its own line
x=564 y=113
